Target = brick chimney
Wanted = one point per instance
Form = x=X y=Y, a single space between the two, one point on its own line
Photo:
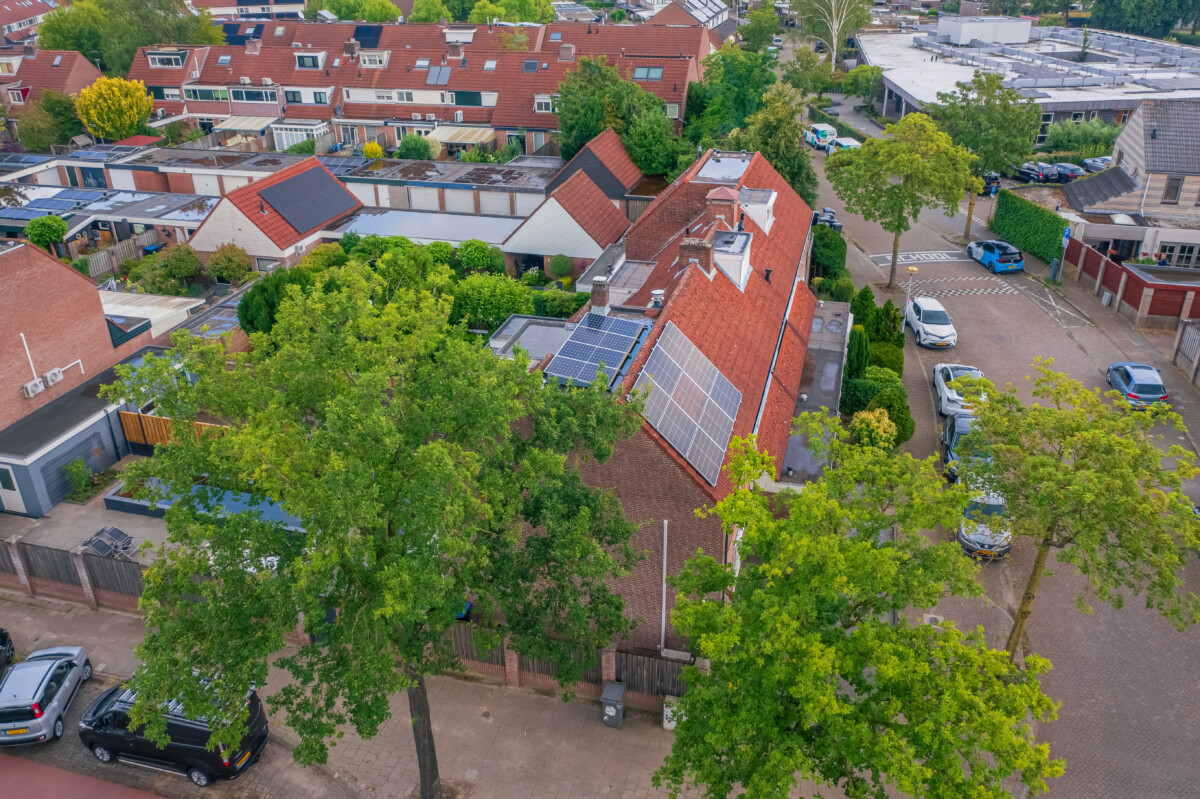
x=350 y=50
x=599 y=296
x=253 y=46
x=455 y=50
x=566 y=52
x=698 y=251
x=723 y=202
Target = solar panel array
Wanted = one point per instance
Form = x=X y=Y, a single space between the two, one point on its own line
x=53 y=204
x=341 y=166
x=79 y=194
x=309 y=199
x=368 y=35
x=691 y=404
x=596 y=340
x=20 y=213
x=22 y=158
x=438 y=76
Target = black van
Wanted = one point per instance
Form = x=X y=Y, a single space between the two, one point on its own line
x=104 y=729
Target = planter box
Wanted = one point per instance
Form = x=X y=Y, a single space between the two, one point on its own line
x=139 y=507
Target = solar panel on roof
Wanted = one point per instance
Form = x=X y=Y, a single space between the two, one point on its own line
x=368 y=35
x=20 y=213
x=78 y=194
x=51 y=204
x=309 y=199
x=596 y=340
x=691 y=404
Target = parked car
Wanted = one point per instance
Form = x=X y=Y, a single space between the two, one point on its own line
x=949 y=400
x=957 y=427
x=997 y=256
x=982 y=533
x=990 y=180
x=1141 y=383
x=104 y=729
x=1069 y=172
x=6 y=648
x=1097 y=164
x=1035 y=172
x=777 y=41
x=842 y=143
x=35 y=694
x=930 y=323
x=819 y=134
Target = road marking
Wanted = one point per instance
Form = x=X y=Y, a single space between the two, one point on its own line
x=994 y=286
x=917 y=257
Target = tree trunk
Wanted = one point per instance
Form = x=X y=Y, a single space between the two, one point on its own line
x=895 y=261
x=970 y=216
x=1031 y=589
x=418 y=706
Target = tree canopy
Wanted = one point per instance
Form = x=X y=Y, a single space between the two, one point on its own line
x=429 y=11
x=761 y=26
x=774 y=131
x=594 y=97
x=816 y=670
x=735 y=81
x=392 y=439
x=890 y=180
x=833 y=20
x=1086 y=476
x=413 y=145
x=46 y=231
x=1144 y=17
x=114 y=108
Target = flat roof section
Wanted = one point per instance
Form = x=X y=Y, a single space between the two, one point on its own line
x=538 y=335
x=820 y=384
x=424 y=227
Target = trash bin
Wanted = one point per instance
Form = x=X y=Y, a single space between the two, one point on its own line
x=613 y=701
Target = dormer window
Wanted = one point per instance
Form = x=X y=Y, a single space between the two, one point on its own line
x=309 y=60
x=375 y=59
x=422 y=63
x=543 y=103
x=170 y=60
x=647 y=73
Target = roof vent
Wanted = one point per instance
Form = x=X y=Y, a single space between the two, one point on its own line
x=566 y=52
x=656 y=298
x=350 y=50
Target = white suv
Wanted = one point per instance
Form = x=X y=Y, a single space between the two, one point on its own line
x=932 y=326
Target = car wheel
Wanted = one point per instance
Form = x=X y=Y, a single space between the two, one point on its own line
x=200 y=778
x=86 y=674
x=102 y=754
x=992 y=268
x=58 y=728
x=1108 y=378
x=920 y=339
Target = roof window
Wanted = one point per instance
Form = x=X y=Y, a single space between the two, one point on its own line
x=224 y=60
x=422 y=63
x=489 y=65
x=647 y=73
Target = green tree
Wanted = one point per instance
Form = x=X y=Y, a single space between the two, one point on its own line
x=561 y=266
x=894 y=400
x=1144 y=17
x=61 y=109
x=735 y=81
x=864 y=309
x=429 y=11
x=137 y=23
x=816 y=671
x=806 y=73
x=229 y=262
x=833 y=20
x=114 y=108
x=485 y=11
x=46 y=231
x=180 y=262
x=460 y=9
x=415 y=146
x=761 y=26
x=652 y=143
x=36 y=129
x=479 y=256
x=858 y=352
x=774 y=132
x=76 y=26
x=863 y=82
x=891 y=180
x=393 y=440
x=363 y=10
x=594 y=97
x=528 y=10
x=1085 y=476
x=259 y=306
x=1070 y=135
x=305 y=147
x=997 y=124
x=485 y=301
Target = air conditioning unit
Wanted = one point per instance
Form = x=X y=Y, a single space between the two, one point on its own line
x=417 y=117
x=458 y=117
x=244 y=80
x=266 y=81
x=33 y=387
x=431 y=117
x=195 y=74
x=53 y=376
x=162 y=112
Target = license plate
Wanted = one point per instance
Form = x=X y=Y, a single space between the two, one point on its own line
x=984 y=552
x=242 y=760
x=21 y=731
x=940 y=344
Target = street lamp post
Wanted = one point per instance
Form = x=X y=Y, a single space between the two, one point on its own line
x=912 y=271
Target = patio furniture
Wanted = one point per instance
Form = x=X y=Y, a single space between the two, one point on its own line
x=116 y=538
x=100 y=547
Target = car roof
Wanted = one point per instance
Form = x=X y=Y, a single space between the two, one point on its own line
x=21 y=682
x=1137 y=368
x=956 y=366
x=929 y=303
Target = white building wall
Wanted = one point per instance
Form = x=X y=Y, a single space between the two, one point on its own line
x=495 y=203
x=549 y=231
x=227 y=224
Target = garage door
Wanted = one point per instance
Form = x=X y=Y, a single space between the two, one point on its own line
x=206 y=184
x=494 y=203
x=234 y=182
x=365 y=192
x=121 y=179
x=460 y=202
x=423 y=199
x=527 y=203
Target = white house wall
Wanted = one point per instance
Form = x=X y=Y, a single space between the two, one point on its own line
x=549 y=231
x=227 y=224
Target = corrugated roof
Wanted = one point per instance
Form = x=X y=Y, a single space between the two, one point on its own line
x=1098 y=188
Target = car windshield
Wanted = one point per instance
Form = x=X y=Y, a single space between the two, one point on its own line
x=1149 y=389
x=978 y=510
x=963 y=371
x=935 y=318
x=1007 y=249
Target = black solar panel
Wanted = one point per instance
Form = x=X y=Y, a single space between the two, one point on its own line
x=691 y=404
x=309 y=199
x=529 y=66
x=596 y=340
x=368 y=35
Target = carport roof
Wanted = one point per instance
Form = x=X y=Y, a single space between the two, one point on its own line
x=1098 y=188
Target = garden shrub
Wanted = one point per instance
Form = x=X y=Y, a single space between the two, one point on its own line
x=485 y=301
x=894 y=400
x=887 y=355
x=828 y=252
x=561 y=266
x=440 y=252
x=882 y=374
x=857 y=395
x=79 y=474
x=863 y=308
x=887 y=324
x=80 y=265
x=873 y=429
x=558 y=303
x=306 y=147
x=1028 y=226
x=859 y=352
x=842 y=290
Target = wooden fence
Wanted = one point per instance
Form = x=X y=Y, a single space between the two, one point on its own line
x=108 y=260
x=48 y=563
x=144 y=430
x=6 y=564
x=462 y=641
x=116 y=576
x=650 y=675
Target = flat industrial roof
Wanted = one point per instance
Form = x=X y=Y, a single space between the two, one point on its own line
x=920 y=73
x=423 y=227
x=81 y=206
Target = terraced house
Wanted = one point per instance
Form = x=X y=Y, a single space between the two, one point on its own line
x=463 y=85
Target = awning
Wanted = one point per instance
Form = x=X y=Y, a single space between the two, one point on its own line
x=256 y=124
x=454 y=134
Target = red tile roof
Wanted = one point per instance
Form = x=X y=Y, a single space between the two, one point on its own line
x=39 y=73
x=609 y=148
x=140 y=140
x=248 y=200
x=586 y=204
x=12 y=11
x=738 y=330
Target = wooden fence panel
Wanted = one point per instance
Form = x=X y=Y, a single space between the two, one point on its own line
x=150 y=430
x=462 y=641
x=592 y=674
x=117 y=576
x=649 y=675
x=108 y=260
x=6 y=564
x=47 y=563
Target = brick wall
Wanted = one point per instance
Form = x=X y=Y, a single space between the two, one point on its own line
x=676 y=211
x=60 y=313
x=150 y=181
x=653 y=487
x=180 y=183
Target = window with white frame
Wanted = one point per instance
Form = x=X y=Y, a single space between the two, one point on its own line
x=383 y=97
x=349 y=133
x=489 y=65
x=165 y=60
x=1076 y=116
x=647 y=73
x=205 y=94
x=404 y=97
x=16 y=97
x=374 y=59
x=1183 y=255
x=224 y=60
x=253 y=96
x=543 y=104
x=422 y=63
x=309 y=60
x=7 y=68
x=672 y=110
x=170 y=94
x=320 y=98
x=293 y=96
x=280 y=30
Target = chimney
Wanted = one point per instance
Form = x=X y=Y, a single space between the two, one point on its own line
x=697 y=251
x=455 y=49
x=28 y=50
x=566 y=52
x=656 y=298
x=253 y=46
x=723 y=202
x=350 y=49
x=599 y=296
x=768 y=275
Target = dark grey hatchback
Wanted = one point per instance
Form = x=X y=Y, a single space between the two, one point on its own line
x=105 y=729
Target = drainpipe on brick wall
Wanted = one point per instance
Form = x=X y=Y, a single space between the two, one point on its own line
x=662 y=632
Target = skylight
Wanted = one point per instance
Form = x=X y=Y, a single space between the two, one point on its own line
x=647 y=73
x=224 y=60
x=489 y=65
x=422 y=63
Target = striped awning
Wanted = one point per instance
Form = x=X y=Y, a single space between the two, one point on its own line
x=464 y=134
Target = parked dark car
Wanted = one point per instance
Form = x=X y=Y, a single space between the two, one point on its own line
x=957 y=427
x=6 y=648
x=990 y=179
x=1069 y=172
x=1098 y=164
x=983 y=533
x=105 y=730
x=1035 y=172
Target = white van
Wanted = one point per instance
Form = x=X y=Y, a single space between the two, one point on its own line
x=819 y=135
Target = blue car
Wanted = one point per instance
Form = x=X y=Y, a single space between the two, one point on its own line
x=1141 y=384
x=997 y=256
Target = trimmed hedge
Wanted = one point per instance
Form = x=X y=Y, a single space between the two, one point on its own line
x=889 y=356
x=857 y=394
x=841 y=290
x=1028 y=226
x=894 y=400
x=828 y=252
x=817 y=115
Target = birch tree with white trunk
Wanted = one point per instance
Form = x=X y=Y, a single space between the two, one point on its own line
x=832 y=20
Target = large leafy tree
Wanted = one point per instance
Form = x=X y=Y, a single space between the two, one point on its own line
x=774 y=132
x=815 y=669
x=1086 y=477
x=594 y=97
x=807 y=73
x=114 y=108
x=761 y=26
x=997 y=124
x=422 y=472
x=76 y=26
x=429 y=11
x=833 y=20
x=1145 y=17
x=46 y=231
x=890 y=180
x=654 y=146
x=735 y=81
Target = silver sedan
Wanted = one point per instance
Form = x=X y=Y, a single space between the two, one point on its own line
x=950 y=401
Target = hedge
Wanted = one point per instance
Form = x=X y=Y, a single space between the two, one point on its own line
x=558 y=303
x=894 y=400
x=857 y=394
x=828 y=252
x=1028 y=226
x=888 y=356
x=817 y=115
